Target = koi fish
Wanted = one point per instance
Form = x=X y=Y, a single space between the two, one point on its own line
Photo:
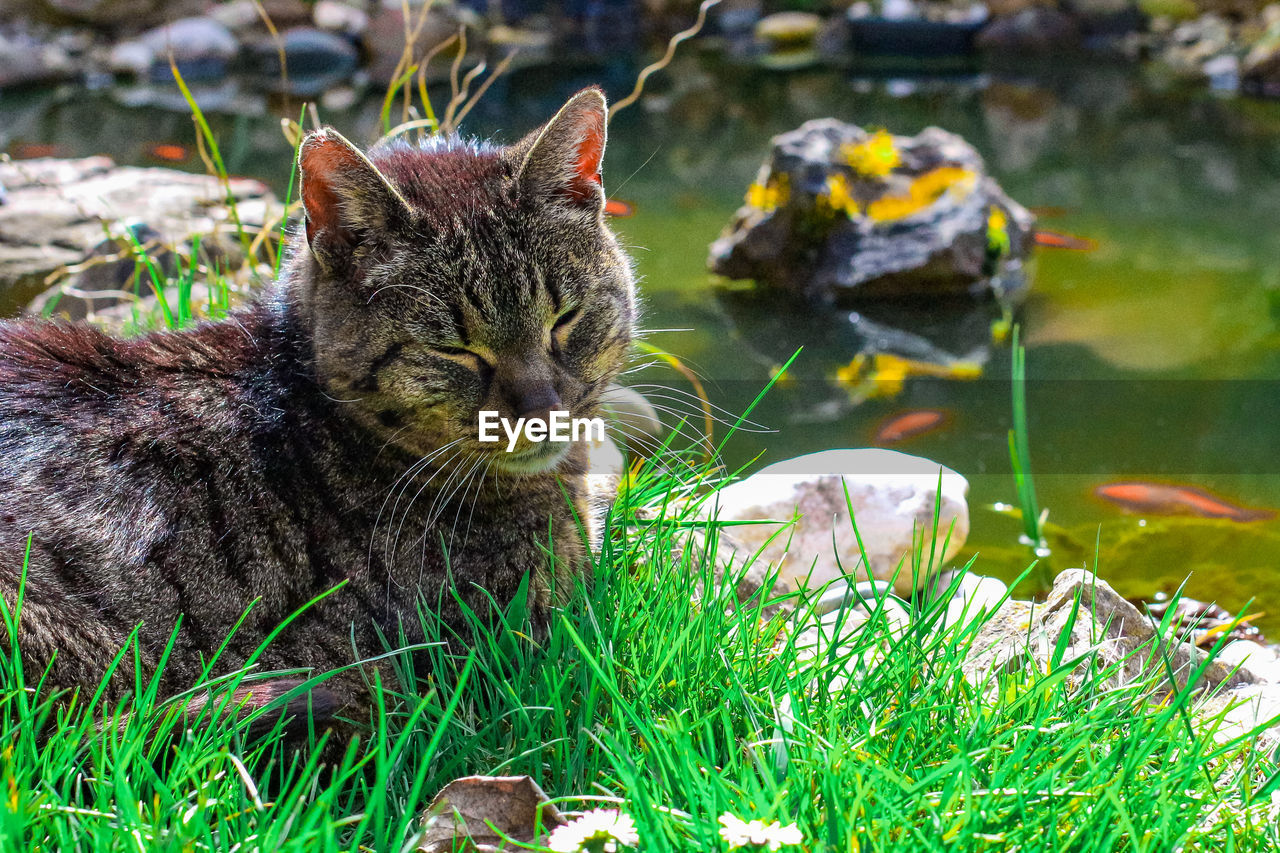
x=1161 y=499
x=620 y=209
x=32 y=150
x=909 y=425
x=1057 y=240
x=169 y=152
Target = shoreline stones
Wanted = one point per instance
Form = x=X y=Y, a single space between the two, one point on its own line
x=841 y=214
x=57 y=213
x=1083 y=623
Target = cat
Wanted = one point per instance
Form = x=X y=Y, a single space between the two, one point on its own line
x=326 y=434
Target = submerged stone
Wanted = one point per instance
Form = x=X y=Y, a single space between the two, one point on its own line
x=841 y=214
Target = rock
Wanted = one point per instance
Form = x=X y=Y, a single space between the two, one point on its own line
x=1233 y=714
x=893 y=496
x=57 y=210
x=843 y=594
x=1036 y=29
x=238 y=16
x=243 y=16
x=201 y=47
x=130 y=57
x=225 y=96
x=316 y=60
x=899 y=10
x=738 y=16
x=106 y=12
x=340 y=17
x=26 y=62
x=1105 y=627
x=973 y=596
x=1193 y=43
x=850 y=634
x=339 y=99
x=1255 y=658
x=109 y=270
x=1223 y=72
x=1249 y=711
x=384 y=38
x=1260 y=71
x=840 y=214
x=788 y=30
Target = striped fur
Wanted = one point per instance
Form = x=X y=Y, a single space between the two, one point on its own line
x=325 y=434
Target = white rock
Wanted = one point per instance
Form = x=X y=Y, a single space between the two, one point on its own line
x=131 y=57
x=1234 y=713
x=893 y=496
x=339 y=99
x=1104 y=627
x=236 y=15
x=859 y=635
x=339 y=17
x=1260 y=661
x=192 y=38
x=976 y=595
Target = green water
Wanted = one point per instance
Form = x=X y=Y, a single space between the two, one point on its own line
x=1154 y=357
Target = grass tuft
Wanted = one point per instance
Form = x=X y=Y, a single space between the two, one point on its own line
x=676 y=708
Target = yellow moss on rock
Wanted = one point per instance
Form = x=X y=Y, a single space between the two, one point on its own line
x=922 y=192
x=874 y=157
x=770 y=195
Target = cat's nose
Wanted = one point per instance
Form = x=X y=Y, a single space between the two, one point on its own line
x=537 y=401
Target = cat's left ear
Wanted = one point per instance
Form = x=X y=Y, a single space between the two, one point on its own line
x=561 y=160
x=346 y=199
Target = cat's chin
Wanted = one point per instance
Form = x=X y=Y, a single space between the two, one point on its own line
x=537 y=460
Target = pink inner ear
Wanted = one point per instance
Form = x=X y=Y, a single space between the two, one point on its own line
x=590 y=153
x=322 y=160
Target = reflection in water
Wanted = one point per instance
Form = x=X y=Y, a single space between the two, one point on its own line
x=1180 y=189
x=1170 y=319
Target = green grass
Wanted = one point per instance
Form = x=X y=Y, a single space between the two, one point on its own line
x=673 y=709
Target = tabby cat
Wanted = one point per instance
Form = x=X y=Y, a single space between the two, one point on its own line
x=327 y=433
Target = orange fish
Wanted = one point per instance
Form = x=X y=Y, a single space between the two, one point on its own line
x=32 y=150
x=1161 y=499
x=1056 y=240
x=169 y=152
x=909 y=425
x=620 y=209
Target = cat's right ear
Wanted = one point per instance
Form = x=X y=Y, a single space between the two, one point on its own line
x=346 y=199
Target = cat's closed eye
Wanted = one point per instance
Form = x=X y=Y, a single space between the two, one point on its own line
x=467 y=358
x=561 y=328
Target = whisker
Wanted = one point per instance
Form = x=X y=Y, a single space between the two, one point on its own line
x=484 y=473
x=394 y=545
x=441 y=503
x=686 y=396
x=654 y=448
x=408 y=474
x=742 y=426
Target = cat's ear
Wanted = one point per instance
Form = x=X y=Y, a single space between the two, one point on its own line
x=345 y=197
x=561 y=160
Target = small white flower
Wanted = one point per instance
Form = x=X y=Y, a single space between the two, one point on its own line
x=757 y=833
x=599 y=831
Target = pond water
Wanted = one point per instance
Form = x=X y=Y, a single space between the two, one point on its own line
x=1153 y=358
